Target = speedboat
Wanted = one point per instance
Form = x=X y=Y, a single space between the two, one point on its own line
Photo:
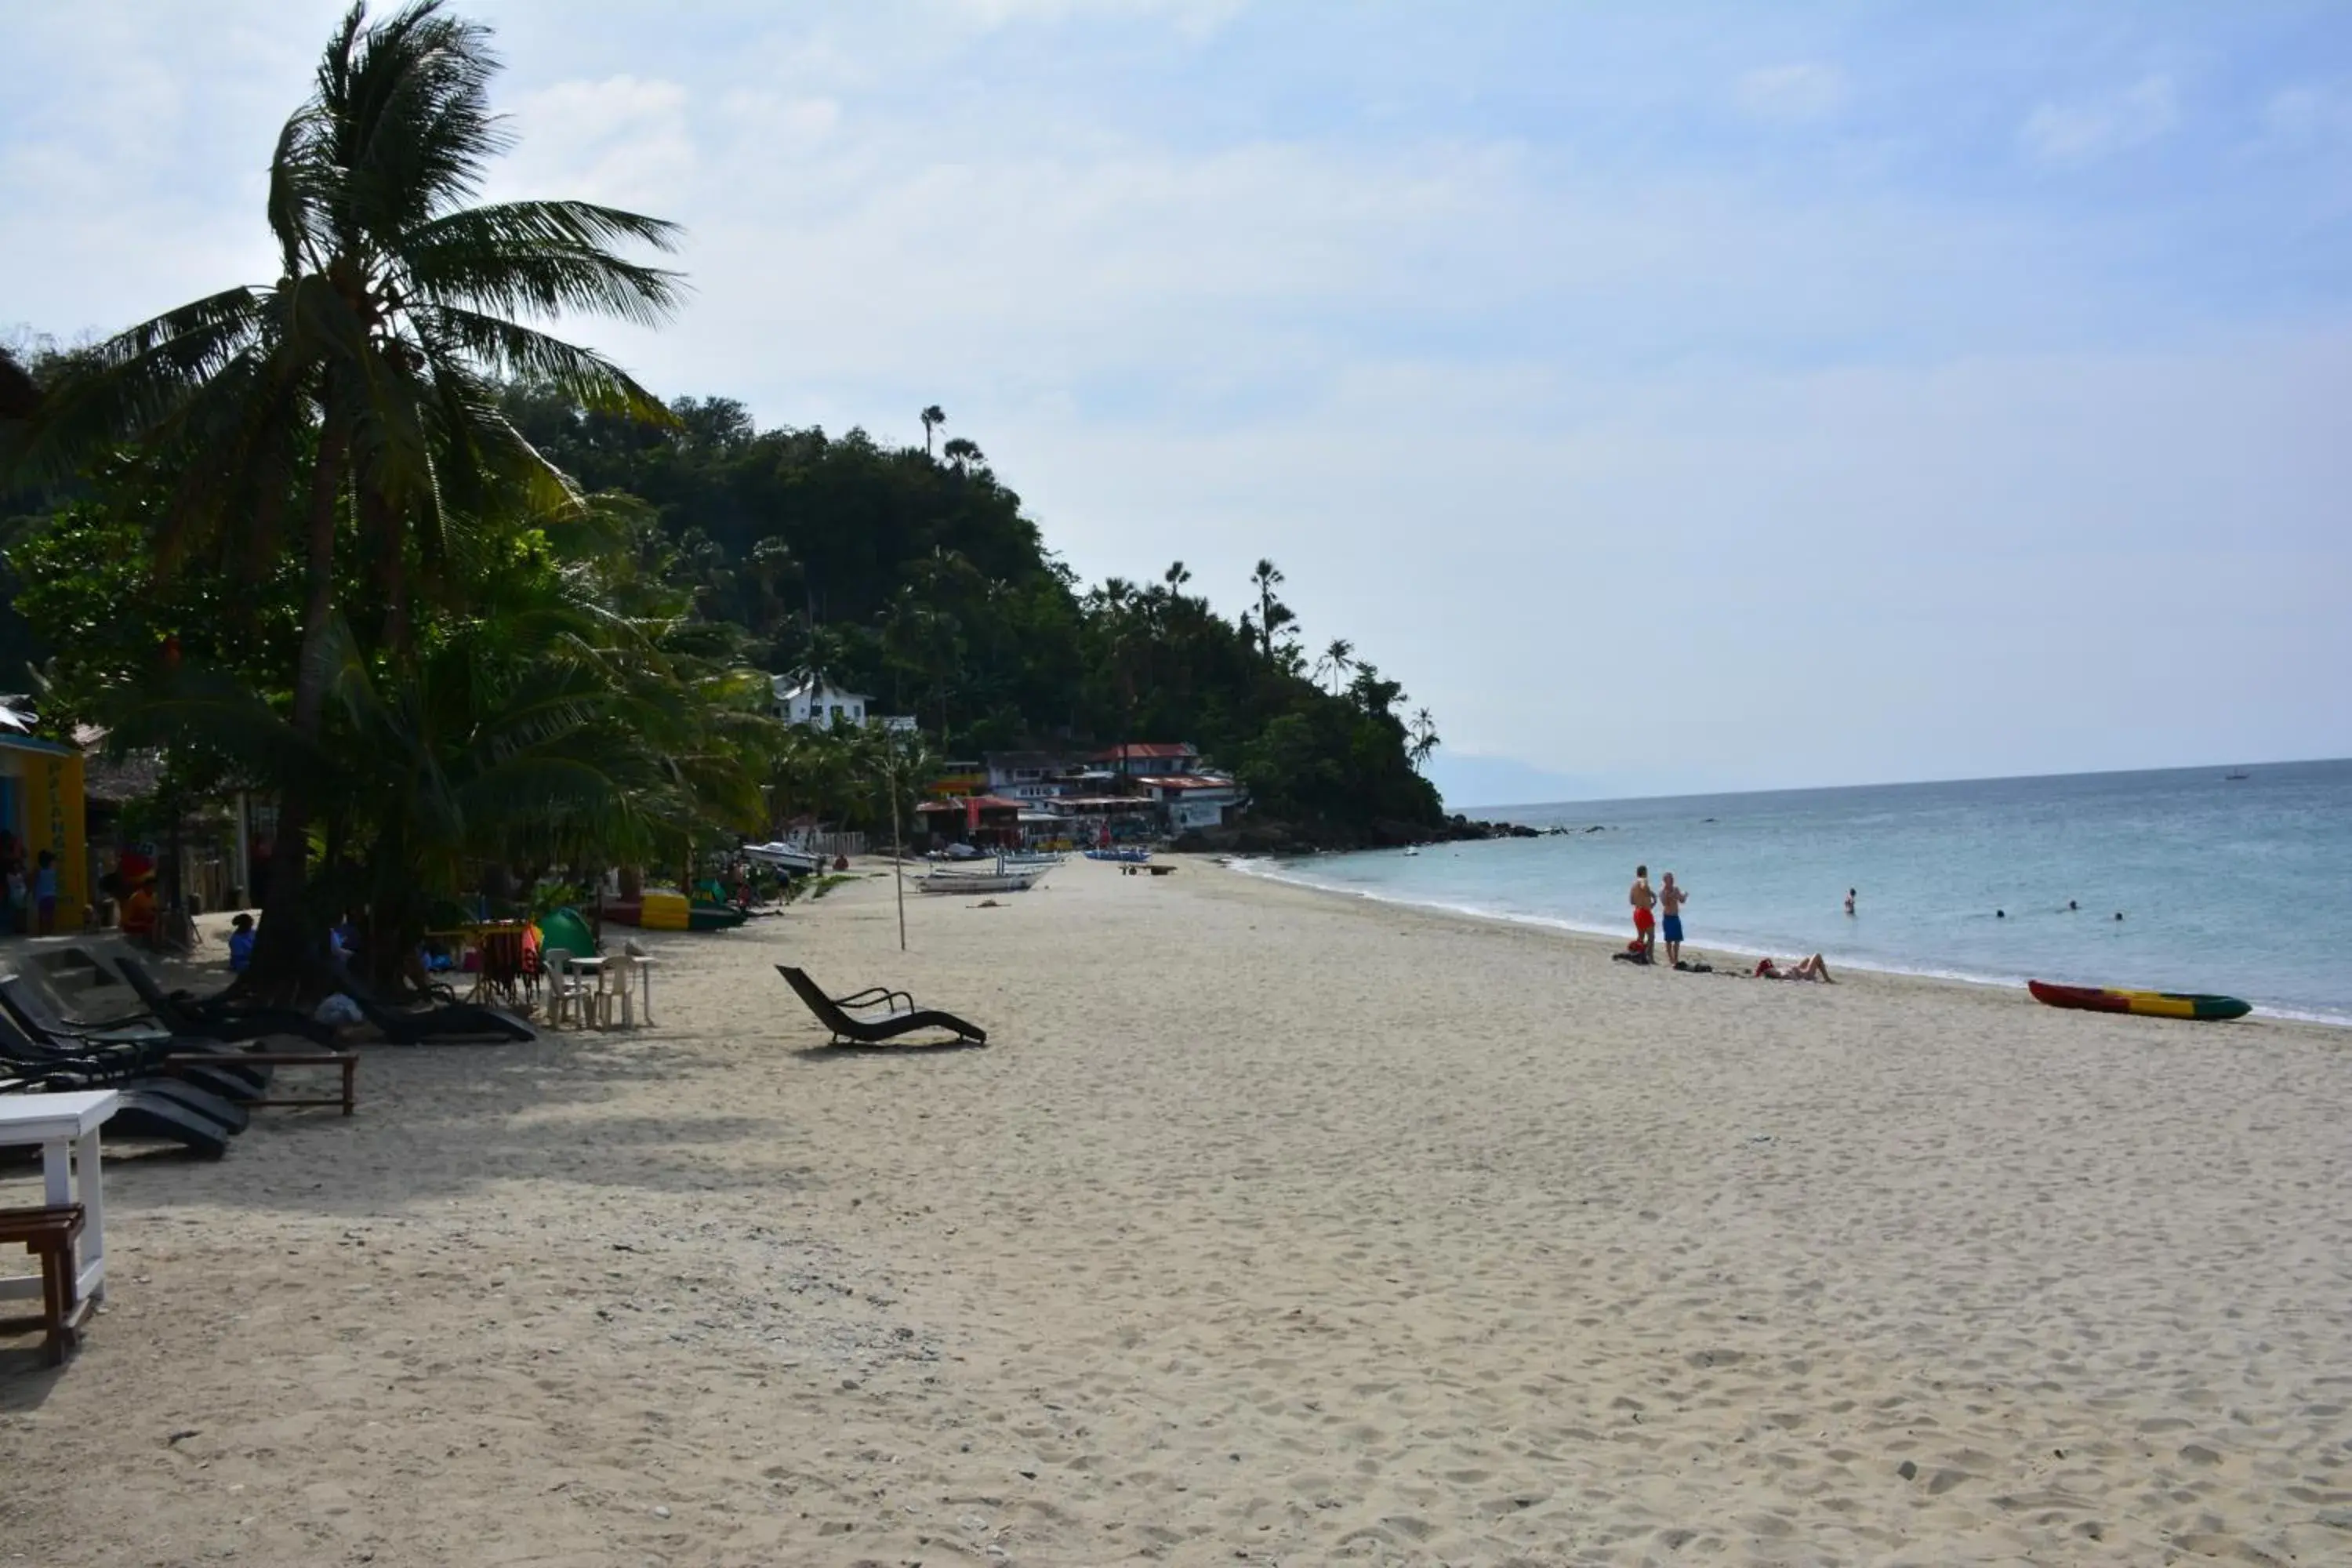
x=795 y=858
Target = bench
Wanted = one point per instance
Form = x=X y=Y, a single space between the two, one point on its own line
x=347 y=1060
x=50 y=1234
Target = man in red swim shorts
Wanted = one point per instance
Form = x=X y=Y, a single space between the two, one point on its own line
x=1645 y=924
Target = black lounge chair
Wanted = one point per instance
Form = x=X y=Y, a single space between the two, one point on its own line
x=57 y=1073
x=215 y=1092
x=452 y=1021
x=144 y=1115
x=208 y=1018
x=901 y=1016
x=23 y=1036
x=33 y=1008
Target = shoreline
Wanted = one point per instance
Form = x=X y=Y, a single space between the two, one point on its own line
x=1270 y=869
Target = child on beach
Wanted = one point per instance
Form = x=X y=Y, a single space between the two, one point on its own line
x=240 y=943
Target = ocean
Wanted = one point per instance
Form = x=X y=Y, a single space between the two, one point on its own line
x=2238 y=885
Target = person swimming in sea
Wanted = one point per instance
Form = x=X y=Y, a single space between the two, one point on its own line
x=1849 y=900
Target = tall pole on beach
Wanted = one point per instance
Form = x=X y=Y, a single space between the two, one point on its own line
x=898 y=855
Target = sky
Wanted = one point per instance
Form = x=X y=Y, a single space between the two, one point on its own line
x=1673 y=397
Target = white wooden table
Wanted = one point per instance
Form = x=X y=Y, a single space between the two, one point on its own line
x=66 y=1127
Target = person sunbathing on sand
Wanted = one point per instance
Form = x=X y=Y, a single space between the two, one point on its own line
x=1813 y=968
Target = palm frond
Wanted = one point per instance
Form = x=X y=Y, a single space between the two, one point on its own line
x=543 y=257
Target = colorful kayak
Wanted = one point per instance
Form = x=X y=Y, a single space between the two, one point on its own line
x=671 y=912
x=2150 y=1004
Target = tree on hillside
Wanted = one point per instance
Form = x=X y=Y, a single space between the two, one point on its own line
x=1336 y=660
x=962 y=454
x=1273 y=615
x=18 y=396
x=360 y=387
x=933 y=417
x=1420 y=738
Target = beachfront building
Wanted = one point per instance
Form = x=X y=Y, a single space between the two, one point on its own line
x=41 y=808
x=819 y=703
x=984 y=821
x=1108 y=818
x=1135 y=759
x=1031 y=776
x=1191 y=800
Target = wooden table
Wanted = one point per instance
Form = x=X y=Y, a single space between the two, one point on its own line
x=187 y=1063
x=66 y=1127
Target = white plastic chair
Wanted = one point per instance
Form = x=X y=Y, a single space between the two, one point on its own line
x=644 y=962
x=567 y=992
x=612 y=985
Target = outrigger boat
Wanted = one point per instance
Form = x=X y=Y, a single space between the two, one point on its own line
x=1005 y=874
x=979 y=881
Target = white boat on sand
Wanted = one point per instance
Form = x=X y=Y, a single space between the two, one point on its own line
x=979 y=881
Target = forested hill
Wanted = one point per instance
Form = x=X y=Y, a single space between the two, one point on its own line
x=917 y=579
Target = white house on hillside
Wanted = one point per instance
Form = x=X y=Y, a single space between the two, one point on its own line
x=805 y=700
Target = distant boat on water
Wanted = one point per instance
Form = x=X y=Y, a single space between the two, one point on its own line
x=2233 y=778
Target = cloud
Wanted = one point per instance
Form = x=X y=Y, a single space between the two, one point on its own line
x=1192 y=18
x=2303 y=117
x=1792 y=94
x=1481 y=377
x=2078 y=135
x=623 y=140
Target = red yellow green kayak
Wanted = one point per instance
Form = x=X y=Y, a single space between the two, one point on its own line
x=2150 y=1004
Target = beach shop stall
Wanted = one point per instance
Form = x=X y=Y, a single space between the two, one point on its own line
x=984 y=821
x=41 y=808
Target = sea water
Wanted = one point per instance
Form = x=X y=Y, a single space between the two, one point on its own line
x=2241 y=885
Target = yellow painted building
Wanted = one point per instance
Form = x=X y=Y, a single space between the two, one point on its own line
x=41 y=805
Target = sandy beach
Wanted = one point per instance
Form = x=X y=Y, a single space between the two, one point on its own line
x=1270 y=1226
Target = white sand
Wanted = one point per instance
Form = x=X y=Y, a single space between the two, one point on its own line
x=1270 y=1226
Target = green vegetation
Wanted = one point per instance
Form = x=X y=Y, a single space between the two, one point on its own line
x=919 y=581
x=458 y=594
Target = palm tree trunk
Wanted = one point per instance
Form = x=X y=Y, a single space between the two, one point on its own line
x=279 y=945
x=392 y=574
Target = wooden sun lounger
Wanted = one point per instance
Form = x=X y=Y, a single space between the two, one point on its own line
x=872 y=1029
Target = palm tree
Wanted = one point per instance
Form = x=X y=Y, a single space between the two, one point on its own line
x=1336 y=660
x=1176 y=576
x=373 y=362
x=1422 y=738
x=962 y=454
x=933 y=417
x=1271 y=612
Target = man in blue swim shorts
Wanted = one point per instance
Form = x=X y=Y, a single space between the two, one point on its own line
x=1670 y=906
